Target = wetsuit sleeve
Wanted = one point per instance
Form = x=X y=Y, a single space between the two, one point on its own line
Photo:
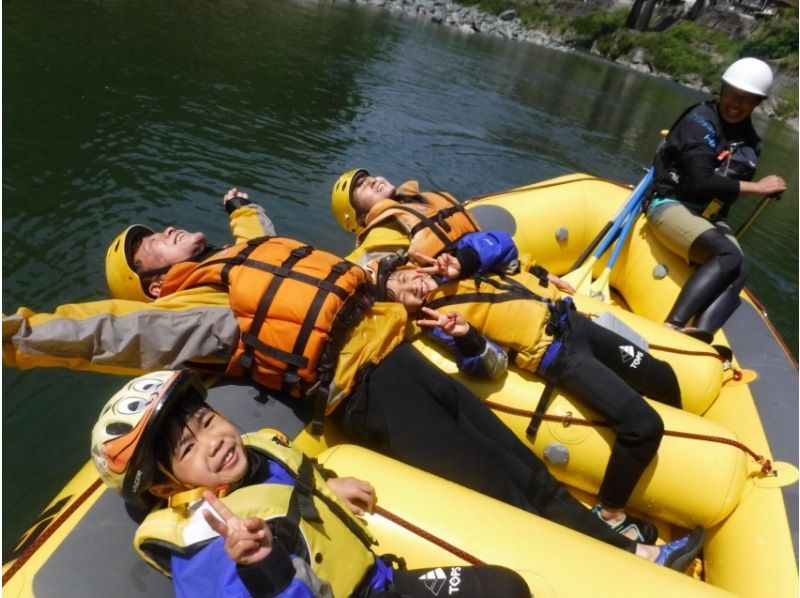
x=483 y=251
x=124 y=337
x=209 y=572
x=698 y=150
x=475 y=354
x=248 y=220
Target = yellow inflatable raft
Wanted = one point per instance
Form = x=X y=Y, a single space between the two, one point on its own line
x=751 y=550
x=80 y=545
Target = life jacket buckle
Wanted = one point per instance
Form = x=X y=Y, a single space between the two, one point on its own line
x=341 y=267
x=246 y=361
x=290 y=379
x=301 y=252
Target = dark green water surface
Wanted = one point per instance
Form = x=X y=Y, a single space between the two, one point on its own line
x=117 y=111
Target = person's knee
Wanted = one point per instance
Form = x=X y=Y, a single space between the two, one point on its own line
x=642 y=427
x=714 y=244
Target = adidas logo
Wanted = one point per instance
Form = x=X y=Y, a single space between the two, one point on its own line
x=434 y=580
x=630 y=356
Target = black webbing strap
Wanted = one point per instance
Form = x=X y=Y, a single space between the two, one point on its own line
x=541 y=407
x=233 y=260
x=301 y=503
x=290 y=377
x=280 y=275
x=457 y=207
x=428 y=223
x=239 y=258
x=319 y=398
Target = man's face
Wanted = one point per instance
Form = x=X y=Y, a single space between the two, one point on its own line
x=209 y=453
x=410 y=287
x=369 y=190
x=736 y=105
x=168 y=247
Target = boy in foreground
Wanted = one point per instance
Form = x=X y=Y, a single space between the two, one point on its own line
x=246 y=515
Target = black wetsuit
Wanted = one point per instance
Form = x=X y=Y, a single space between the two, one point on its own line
x=407 y=408
x=692 y=166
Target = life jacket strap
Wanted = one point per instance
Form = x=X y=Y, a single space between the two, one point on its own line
x=541 y=407
x=301 y=503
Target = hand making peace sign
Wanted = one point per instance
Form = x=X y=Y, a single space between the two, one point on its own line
x=247 y=541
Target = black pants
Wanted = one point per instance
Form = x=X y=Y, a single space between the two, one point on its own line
x=711 y=294
x=610 y=374
x=410 y=410
x=483 y=581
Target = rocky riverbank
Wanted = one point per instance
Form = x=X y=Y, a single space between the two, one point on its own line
x=469 y=20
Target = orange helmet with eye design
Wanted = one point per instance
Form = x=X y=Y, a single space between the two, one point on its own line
x=122 y=438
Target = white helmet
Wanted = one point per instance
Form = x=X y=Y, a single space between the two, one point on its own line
x=749 y=74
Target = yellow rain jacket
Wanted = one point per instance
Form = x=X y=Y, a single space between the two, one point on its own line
x=194 y=327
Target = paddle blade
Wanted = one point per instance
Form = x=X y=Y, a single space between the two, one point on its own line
x=581 y=278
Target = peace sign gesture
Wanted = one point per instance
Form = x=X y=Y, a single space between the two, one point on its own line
x=247 y=541
x=446 y=265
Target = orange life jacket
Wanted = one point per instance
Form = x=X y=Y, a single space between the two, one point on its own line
x=433 y=220
x=294 y=305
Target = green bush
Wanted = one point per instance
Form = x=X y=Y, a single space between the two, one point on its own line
x=787 y=103
x=598 y=24
x=773 y=38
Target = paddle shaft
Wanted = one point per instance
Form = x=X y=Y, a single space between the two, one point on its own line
x=762 y=205
x=618 y=217
x=600 y=286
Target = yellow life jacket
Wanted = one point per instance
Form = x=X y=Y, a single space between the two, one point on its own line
x=511 y=310
x=295 y=305
x=337 y=543
x=433 y=220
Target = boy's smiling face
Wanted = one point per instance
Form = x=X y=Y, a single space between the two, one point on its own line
x=209 y=453
x=409 y=287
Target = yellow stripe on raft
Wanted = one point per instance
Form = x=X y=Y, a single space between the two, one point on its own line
x=555 y=561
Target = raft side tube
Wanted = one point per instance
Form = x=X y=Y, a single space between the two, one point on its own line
x=711 y=474
x=547 y=555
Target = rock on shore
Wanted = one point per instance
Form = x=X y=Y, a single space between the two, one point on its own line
x=468 y=19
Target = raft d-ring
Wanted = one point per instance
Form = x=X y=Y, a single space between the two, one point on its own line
x=782 y=474
x=568 y=416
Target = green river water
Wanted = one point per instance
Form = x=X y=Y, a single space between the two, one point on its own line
x=117 y=111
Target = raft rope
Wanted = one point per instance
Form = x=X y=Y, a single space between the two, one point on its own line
x=569 y=419
x=725 y=359
x=462 y=554
x=737 y=373
x=50 y=530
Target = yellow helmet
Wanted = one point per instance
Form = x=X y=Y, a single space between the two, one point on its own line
x=123 y=437
x=341 y=194
x=123 y=282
